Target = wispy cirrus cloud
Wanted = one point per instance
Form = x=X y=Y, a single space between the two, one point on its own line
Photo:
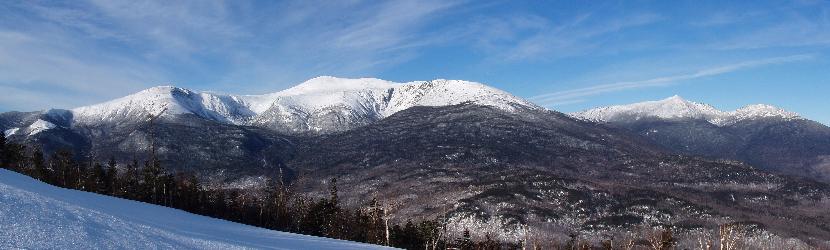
x=363 y=35
x=41 y=69
x=575 y=37
x=81 y=46
x=73 y=53
x=797 y=32
x=787 y=24
x=528 y=37
x=337 y=38
x=577 y=95
x=720 y=18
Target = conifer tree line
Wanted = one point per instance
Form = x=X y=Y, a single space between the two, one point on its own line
x=279 y=207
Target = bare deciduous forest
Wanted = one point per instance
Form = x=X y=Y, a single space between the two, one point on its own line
x=280 y=207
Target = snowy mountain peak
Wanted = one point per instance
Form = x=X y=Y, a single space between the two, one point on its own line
x=40 y=126
x=161 y=92
x=10 y=132
x=165 y=101
x=146 y=102
x=320 y=104
x=675 y=98
x=674 y=107
x=160 y=89
x=327 y=104
x=335 y=84
x=763 y=110
x=677 y=108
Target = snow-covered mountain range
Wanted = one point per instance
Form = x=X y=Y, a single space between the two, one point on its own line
x=765 y=136
x=328 y=104
x=321 y=104
x=677 y=108
x=498 y=138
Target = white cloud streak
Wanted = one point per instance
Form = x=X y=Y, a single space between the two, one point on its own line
x=792 y=33
x=47 y=68
x=530 y=38
x=573 y=38
x=96 y=50
x=579 y=94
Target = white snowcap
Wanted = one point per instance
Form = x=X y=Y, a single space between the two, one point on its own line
x=677 y=108
x=366 y=96
x=39 y=126
x=10 y=132
x=334 y=84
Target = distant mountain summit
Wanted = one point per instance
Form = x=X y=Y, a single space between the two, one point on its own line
x=322 y=104
x=762 y=135
x=677 y=108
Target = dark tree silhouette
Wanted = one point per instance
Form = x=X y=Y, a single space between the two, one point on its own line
x=3 y=150
x=278 y=207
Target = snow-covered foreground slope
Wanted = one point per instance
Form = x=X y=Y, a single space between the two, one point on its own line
x=34 y=215
x=677 y=108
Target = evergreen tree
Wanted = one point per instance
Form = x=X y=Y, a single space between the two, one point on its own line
x=406 y=237
x=11 y=154
x=150 y=175
x=3 y=151
x=95 y=179
x=110 y=177
x=165 y=189
x=130 y=188
x=79 y=172
x=62 y=163
x=334 y=227
x=39 y=167
x=219 y=206
x=321 y=217
x=190 y=196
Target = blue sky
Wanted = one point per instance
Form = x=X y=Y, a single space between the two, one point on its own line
x=565 y=55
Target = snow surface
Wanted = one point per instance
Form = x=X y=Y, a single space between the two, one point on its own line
x=163 y=100
x=364 y=97
x=677 y=108
x=35 y=215
x=10 y=132
x=40 y=126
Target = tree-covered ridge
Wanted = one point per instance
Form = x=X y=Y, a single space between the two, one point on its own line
x=280 y=207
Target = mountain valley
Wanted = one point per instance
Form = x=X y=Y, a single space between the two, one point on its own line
x=473 y=155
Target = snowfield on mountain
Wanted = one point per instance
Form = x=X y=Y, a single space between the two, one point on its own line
x=762 y=135
x=677 y=108
x=35 y=215
x=321 y=104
